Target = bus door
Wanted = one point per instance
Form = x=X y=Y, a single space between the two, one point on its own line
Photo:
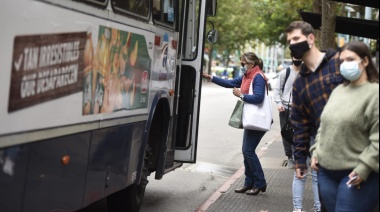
x=189 y=79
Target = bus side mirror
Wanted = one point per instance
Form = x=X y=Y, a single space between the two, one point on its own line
x=212 y=36
x=211 y=7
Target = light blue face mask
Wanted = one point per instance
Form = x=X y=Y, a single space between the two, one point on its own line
x=243 y=69
x=350 y=70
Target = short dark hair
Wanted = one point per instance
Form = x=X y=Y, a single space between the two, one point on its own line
x=305 y=28
x=362 y=50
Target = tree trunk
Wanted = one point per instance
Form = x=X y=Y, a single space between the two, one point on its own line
x=328 y=24
x=210 y=59
x=341 y=12
x=317 y=8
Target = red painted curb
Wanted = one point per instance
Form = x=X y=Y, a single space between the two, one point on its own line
x=224 y=188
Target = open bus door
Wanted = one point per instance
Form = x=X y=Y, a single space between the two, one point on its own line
x=189 y=78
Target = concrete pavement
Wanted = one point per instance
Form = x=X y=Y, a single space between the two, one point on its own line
x=277 y=198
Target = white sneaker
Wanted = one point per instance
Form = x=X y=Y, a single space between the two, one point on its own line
x=290 y=164
x=298 y=210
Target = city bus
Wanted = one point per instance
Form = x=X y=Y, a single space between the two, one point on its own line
x=96 y=95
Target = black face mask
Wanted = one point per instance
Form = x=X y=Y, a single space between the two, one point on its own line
x=297 y=62
x=299 y=49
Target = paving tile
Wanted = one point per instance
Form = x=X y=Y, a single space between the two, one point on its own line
x=277 y=198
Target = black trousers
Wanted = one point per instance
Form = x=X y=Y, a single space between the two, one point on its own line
x=287 y=144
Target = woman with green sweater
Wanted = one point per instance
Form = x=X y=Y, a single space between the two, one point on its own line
x=346 y=153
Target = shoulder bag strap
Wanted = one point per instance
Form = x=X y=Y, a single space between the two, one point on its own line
x=251 y=86
x=286 y=78
x=287 y=113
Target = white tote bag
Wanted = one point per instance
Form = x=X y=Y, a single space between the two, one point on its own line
x=258 y=116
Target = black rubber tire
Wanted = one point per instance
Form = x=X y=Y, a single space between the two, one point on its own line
x=131 y=198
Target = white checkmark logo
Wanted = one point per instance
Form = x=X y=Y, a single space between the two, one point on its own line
x=18 y=63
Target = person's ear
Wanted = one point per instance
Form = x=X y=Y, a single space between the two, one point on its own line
x=311 y=40
x=365 y=61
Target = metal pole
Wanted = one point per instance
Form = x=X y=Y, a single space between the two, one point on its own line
x=367 y=16
x=267 y=59
x=271 y=58
x=348 y=36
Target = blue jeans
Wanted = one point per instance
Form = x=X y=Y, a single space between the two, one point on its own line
x=299 y=188
x=338 y=197
x=254 y=174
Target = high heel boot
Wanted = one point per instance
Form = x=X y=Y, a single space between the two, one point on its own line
x=256 y=191
x=243 y=189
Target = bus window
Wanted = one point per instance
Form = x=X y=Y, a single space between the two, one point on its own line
x=135 y=7
x=164 y=11
x=157 y=10
x=190 y=31
x=96 y=2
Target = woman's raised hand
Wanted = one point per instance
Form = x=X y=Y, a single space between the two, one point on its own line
x=206 y=76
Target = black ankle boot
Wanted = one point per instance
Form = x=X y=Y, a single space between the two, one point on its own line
x=244 y=189
x=256 y=191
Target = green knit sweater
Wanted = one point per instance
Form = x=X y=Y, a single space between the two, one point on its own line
x=348 y=137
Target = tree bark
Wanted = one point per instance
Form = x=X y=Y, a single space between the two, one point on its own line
x=341 y=12
x=317 y=8
x=328 y=24
x=210 y=60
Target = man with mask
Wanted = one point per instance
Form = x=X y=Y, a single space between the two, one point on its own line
x=282 y=97
x=318 y=76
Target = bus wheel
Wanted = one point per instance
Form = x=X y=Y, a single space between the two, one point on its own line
x=131 y=198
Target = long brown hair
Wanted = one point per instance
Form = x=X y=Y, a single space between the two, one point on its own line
x=363 y=51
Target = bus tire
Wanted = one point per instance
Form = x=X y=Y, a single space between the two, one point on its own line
x=131 y=198
x=126 y=200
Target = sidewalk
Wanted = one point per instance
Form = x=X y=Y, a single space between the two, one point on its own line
x=277 y=198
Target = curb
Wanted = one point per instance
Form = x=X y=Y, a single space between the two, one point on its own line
x=224 y=188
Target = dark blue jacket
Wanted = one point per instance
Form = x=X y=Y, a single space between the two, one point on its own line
x=258 y=86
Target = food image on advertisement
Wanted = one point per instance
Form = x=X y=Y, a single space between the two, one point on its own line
x=87 y=74
x=118 y=64
x=87 y=90
x=134 y=54
x=132 y=96
x=99 y=94
x=144 y=82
